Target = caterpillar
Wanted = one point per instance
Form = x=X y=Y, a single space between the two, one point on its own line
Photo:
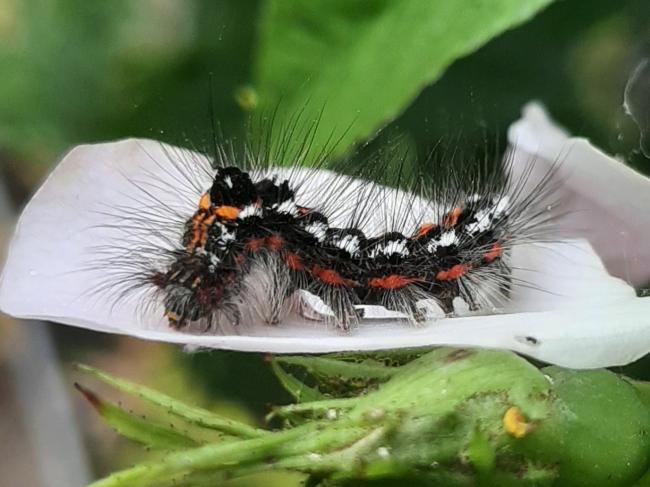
x=257 y=241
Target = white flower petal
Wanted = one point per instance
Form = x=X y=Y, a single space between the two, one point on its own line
x=594 y=337
x=607 y=202
x=571 y=312
x=48 y=271
x=563 y=275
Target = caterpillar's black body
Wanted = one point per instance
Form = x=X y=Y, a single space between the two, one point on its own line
x=241 y=222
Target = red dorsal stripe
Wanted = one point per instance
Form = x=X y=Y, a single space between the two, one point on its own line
x=454 y=272
x=394 y=281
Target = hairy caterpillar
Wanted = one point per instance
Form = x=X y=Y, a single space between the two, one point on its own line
x=257 y=241
x=111 y=217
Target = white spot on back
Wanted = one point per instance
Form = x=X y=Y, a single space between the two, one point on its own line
x=318 y=230
x=250 y=210
x=445 y=240
x=390 y=248
x=349 y=243
x=486 y=216
x=288 y=207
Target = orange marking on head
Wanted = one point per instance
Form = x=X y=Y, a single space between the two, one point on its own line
x=394 y=281
x=303 y=210
x=203 y=228
x=194 y=239
x=254 y=244
x=493 y=253
x=199 y=229
x=274 y=242
x=205 y=202
x=454 y=272
x=425 y=229
x=331 y=277
x=451 y=219
x=294 y=262
x=226 y=212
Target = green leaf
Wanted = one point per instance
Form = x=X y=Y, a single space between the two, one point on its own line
x=362 y=62
x=339 y=378
x=299 y=390
x=136 y=428
x=191 y=414
x=332 y=368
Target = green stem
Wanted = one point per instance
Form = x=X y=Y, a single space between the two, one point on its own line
x=301 y=441
x=323 y=407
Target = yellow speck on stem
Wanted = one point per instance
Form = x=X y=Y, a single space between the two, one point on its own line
x=514 y=422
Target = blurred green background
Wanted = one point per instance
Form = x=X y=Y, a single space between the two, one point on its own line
x=80 y=71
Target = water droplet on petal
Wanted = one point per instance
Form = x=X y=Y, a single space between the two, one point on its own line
x=637 y=102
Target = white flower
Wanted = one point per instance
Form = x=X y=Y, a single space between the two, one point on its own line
x=604 y=200
x=573 y=312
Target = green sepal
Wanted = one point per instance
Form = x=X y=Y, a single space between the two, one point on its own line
x=148 y=432
x=165 y=404
x=300 y=391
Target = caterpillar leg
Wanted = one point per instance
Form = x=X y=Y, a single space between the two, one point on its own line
x=418 y=313
x=447 y=303
x=341 y=301
x=227 y=316
x=184 y=310
x=471 y=301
